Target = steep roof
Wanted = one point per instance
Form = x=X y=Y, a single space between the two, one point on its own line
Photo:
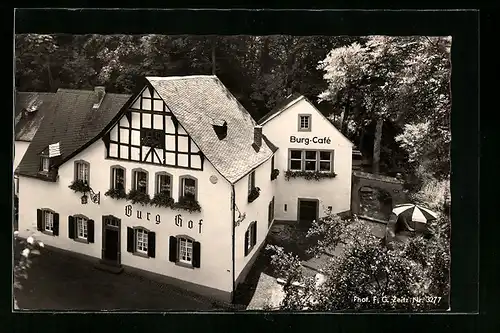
x=72 y=122
x=280 y=107
x=30 y=108
x=198 y=102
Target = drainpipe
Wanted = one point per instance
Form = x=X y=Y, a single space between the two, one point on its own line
x=233 y=212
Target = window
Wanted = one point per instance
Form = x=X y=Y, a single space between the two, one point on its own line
x=304 y=122
x=184 y=251
x=251 y=182
x=285 y=207
x=81 y=228
x=82 y=171
x=141 y=242
x=47 y=221
x=164 y=184
x=270 y=212
x=325 y=161
x=140 y=182
x=141 y=239
x=311 y=160
x=117 y=178
x=45 y=164
x=250 y=237
x=188 y=188
x=153 y=138
x=295 y=160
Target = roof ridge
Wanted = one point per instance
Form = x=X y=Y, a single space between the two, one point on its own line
x=181 y=77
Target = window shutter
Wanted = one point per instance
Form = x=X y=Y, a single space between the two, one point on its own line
x=71 y=227
x=55 y=231
x=246 y=242
x=90 y=231
x=196 y=254
x=151 y=244
x=172 y=255
x=39 y=220
x=254 y=234
x=130 y=239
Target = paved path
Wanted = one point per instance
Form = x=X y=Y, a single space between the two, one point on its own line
x=57 y=281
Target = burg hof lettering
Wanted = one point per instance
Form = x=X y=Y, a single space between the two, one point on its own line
x=322 y=140
x=178 y=221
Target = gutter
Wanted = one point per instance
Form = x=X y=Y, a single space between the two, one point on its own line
x=233 y=212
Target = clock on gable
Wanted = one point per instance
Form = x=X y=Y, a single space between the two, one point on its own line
x=152 y=138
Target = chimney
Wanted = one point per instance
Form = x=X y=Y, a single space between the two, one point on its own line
x=100 y=91
x=257 y=137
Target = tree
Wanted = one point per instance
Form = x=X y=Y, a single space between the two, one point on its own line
x=367 y=275
x=22 y=260
x=402 y=79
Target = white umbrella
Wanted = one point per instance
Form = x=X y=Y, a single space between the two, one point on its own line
x=414 y=213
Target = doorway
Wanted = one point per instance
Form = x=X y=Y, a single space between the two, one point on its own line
x=111 y=254
x=307 y=211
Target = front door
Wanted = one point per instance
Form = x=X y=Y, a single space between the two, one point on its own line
x=111 y=240
x=307 y=212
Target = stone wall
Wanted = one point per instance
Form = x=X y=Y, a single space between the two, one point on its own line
x=361 y=179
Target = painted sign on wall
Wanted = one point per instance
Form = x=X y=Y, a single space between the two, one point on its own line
x=325 y=140
x=178 y=220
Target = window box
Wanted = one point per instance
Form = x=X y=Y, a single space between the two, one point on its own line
x=274 y=174
x=80 y=186
x=309 y=175
x=254 y=194
x=116 y=193
x=162 y=199
x=137 y=196
x=187 y=203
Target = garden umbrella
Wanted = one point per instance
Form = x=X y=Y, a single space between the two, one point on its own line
x=414 y=213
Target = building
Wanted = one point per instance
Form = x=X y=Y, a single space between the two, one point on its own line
x=177 y=180
x=174 y=180
x=28 y=115
x=316 y=160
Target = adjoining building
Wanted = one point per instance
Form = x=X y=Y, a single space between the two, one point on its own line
x=177 y=179
x=316 y=160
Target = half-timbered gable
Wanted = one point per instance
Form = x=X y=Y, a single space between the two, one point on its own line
x=149 y=133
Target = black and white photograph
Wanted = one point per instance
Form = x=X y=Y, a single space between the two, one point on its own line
x=160 y=172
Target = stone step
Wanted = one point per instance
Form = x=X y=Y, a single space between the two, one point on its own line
x=109 y=268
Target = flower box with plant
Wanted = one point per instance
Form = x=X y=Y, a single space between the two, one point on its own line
x=309 y=175
x=80 y=186
x=254 y=194
x=188 y=204
x=162 y=199
x=274 y=174
x=136 y=196
x=116 y=193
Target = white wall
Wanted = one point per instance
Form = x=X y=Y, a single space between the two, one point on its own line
x=334 y=192
x=255 y=211
x=215 y=238
x=20 y=148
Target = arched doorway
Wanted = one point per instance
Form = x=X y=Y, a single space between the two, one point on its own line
x=375 y=202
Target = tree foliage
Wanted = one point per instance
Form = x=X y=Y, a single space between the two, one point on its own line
x=405 y=80
x=366 y=274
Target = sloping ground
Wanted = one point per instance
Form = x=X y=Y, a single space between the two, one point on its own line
x=268 y=293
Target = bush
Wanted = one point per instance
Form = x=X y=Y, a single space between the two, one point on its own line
x=138 y=197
